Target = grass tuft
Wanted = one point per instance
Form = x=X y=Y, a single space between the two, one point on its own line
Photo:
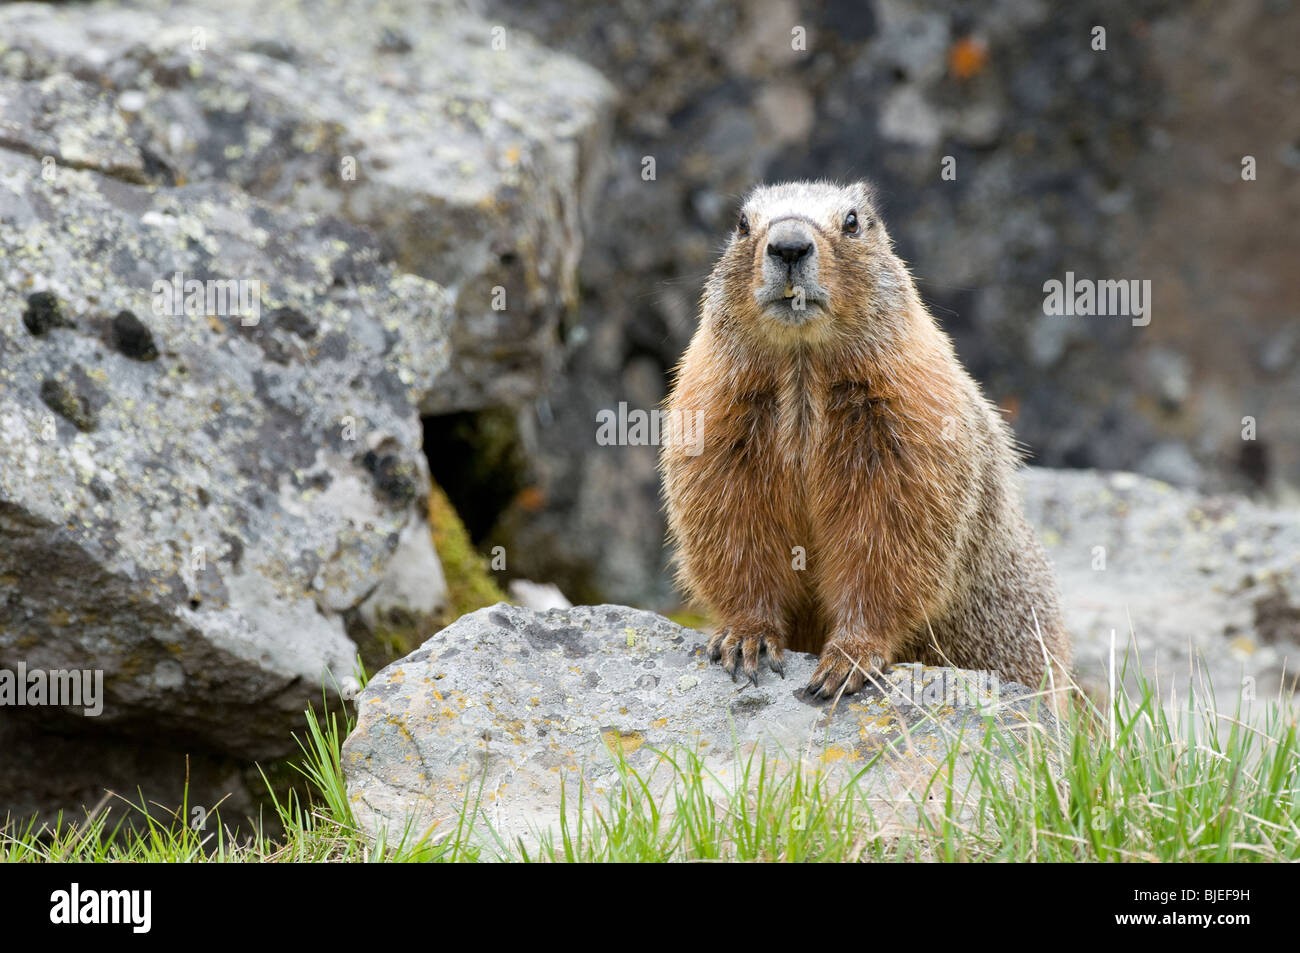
x=1177 y=784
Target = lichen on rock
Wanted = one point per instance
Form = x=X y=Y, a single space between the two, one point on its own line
x=506 y=706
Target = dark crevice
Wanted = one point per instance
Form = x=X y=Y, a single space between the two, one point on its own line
x=477 y=458
x=130 y=176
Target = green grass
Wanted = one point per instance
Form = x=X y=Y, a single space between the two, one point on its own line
x=1185 y=787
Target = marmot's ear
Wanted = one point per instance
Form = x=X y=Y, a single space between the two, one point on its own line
x=868 y=191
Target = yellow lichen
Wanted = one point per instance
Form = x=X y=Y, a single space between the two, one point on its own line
x=624 y=741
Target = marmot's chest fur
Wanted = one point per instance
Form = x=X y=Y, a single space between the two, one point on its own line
x=848 y=489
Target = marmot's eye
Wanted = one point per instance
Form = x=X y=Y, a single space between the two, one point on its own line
x=742 y=226
x=851 y=223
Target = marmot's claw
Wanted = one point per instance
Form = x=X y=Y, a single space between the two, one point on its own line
x=814 y=684
x=715 y=644
x=743 y=649
x=837 y=670
x=829 y=688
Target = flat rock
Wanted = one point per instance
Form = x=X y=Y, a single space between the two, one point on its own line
x=521 y=702
x=1184 y=580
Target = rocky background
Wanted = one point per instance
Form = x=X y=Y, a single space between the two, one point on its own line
x=1125 y=163
x=471 y=226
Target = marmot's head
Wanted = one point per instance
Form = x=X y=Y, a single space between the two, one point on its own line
x=810 y=258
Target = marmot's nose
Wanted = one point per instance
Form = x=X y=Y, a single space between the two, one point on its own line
x=789 y=250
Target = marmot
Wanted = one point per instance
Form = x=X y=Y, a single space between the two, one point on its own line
x=835 y=480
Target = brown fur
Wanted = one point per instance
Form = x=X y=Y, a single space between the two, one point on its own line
x=858 y=436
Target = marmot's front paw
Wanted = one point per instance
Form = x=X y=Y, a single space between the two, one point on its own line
x=846 y=661
x=744 y=643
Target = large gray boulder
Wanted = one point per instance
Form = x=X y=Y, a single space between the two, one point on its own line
x=1186 y=581
x=211 y=503
x=473 y=154
x=507 y=705
x=189 y=503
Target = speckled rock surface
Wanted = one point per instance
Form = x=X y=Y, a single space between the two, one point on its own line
x=203 y=509
x=194 y=508
x=534 y=699
x=1210 y=577
x=471 y=153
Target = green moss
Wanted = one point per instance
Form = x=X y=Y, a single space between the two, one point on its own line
x=691 y=620
x=470 y=584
